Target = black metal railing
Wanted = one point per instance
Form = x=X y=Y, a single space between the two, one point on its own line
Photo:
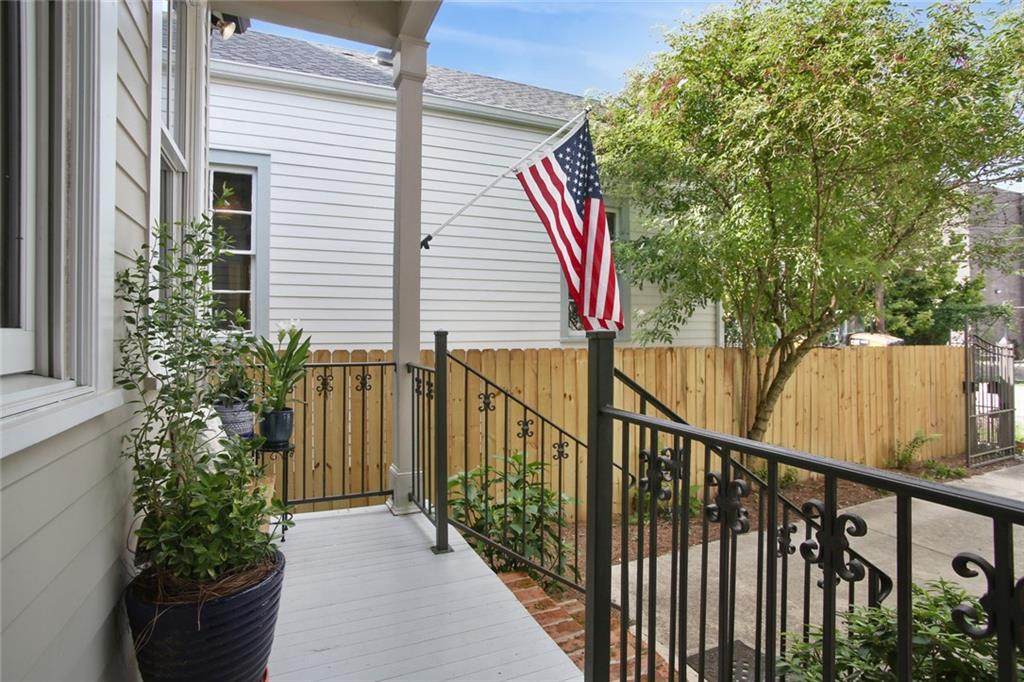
x=341 y=448
x=989 y=389
x=764 y=577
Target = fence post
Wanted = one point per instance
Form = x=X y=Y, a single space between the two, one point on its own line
x=600 y=367
x=441 y=441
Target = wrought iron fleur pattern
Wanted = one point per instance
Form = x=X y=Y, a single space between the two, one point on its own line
x=661 y=468
x=430 y=389
x=324 y=383
x=560 y=448
x=836 y=542
x=728 y=504
x=785 y=539
x=524 y=428
x=486 y=401
x=417 y=384
x=363 y=382
x=981 y=625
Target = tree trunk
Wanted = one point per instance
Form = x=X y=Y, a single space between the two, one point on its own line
x=880 y=307
x=766 y=402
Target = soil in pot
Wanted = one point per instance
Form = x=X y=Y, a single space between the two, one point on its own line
x=276 y=427
x=212 y=631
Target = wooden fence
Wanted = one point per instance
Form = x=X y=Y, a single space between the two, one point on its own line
x=853 y=404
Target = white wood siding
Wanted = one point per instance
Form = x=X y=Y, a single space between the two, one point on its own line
x=491 y=278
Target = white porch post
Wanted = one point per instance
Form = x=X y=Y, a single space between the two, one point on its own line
x=410 y=70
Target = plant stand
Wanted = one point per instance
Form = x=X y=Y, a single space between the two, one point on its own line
x=273 y=452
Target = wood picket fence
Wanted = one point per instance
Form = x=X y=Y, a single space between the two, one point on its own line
x=851 y=404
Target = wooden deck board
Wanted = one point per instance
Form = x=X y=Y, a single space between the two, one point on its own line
x=364 y=598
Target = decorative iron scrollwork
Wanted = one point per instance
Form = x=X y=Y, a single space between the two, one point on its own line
x=417 y=383
x=486 y=401
x=524 y=428
x=363 y=382
x=560 y=450
x=324 y=383
x=966 y=616
x=728 y=504
x=430 y=389
x=785 y=539
x=836 y=542
x=661 y=468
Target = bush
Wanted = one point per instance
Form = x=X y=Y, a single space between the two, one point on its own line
x=938 y=471
x=523 y=518
x=866 y=646
x=640 y=505
x=906 y=453
x=198 y=496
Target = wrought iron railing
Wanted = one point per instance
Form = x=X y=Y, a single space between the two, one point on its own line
x=341 y=443
x=736 y=588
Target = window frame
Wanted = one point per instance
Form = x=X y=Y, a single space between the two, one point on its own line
x=258 y=166
x=72 y=377
x=567 y=335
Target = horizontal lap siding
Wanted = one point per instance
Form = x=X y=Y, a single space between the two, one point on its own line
x=491 y=278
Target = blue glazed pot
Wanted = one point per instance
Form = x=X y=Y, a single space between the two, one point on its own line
x=277 y=426
x=227 y=638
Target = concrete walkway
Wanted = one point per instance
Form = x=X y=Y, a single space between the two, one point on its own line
x=939 y=533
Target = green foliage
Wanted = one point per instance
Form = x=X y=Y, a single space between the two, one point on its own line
x=938 y=471
x=199 y=500
x=866 y=646
x=233 y=377
x=515 y=510
x=787 y=155
x=926 y=302
x=283 y=367
x=905 y=453
x=788 y=476
x=640 y=504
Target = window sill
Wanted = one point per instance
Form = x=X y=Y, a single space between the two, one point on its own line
x=71 y=409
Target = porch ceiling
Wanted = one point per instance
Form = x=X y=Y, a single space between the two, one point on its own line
x=371 y=22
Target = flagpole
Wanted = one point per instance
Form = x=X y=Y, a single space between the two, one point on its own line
x=425 y=242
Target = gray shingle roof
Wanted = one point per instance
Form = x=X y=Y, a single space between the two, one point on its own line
x=266 y=49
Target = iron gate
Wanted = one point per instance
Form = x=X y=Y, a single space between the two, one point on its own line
x=989 y=389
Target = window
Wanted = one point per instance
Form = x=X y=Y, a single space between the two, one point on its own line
x=240 y=206
x=57 y=124
x=572 y=327
x=171 y=68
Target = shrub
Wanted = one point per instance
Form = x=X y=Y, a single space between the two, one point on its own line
x=515 y=510
x=866 y=646
x=938 y=471
x=197 y=496
x=905 y=453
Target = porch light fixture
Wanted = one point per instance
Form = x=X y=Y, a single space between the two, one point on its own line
x=228 y=24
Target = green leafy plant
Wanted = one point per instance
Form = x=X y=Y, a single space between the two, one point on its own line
x=939 y=471
x=866 y=645
x=197 y=496
x=283 y=367
x=788 y=476
x=515 y=509
x=906 y=452
x=232 y=378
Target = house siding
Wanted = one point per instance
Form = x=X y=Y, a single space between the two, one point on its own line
x=491 y=279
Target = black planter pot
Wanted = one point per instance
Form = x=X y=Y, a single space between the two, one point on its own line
x=276 y=426
x=224 y=639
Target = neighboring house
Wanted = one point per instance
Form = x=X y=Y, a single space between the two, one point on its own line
x=103 y=118
x=315 y=125
x=1001 y=213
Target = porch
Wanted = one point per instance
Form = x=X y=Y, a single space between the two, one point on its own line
x=365 y=599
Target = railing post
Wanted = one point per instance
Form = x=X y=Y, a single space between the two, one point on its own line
x=441 y=441
x=601 y=367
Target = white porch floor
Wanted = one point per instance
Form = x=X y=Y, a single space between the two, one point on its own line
x=364 y=598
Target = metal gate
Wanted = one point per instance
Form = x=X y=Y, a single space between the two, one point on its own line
x=989 y=389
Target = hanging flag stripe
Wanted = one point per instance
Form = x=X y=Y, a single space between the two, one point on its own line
x=565 y=191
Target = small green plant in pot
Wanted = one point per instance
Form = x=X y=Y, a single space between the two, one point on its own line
x=283 y=367
x=235 y=387
x=204 y=603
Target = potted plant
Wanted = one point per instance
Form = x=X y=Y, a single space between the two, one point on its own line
x=204 y=603
x=234 y=384
x=283 y=366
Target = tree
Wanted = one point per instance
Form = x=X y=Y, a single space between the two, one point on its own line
x=786 y=156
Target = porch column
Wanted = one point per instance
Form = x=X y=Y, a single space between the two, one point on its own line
x=410 y=70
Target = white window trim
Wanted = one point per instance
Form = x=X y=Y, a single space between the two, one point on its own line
x=40 y=412
x=572 y=336
x=257 y=165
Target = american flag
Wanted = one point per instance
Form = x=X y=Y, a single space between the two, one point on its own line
x=565 y=190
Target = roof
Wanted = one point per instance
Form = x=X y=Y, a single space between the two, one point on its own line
x=292 y=54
